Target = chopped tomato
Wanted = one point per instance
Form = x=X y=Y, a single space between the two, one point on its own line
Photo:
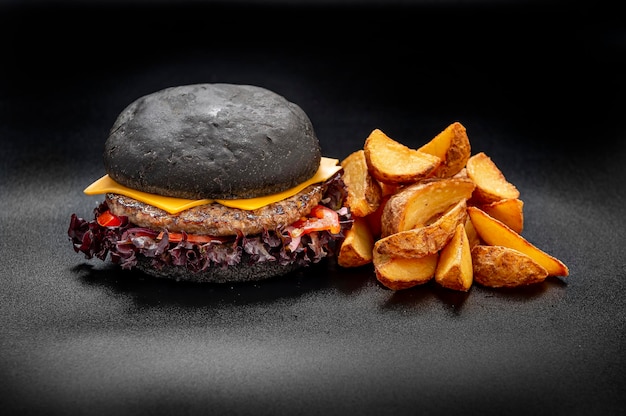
x=324 y=218
x=192 y=238
x=107 y=219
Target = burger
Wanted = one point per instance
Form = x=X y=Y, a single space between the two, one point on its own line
x=214 y=183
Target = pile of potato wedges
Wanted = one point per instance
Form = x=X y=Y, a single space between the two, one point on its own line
x=437 y=212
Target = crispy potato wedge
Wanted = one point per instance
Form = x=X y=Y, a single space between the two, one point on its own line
x=491 y=185
x=472 y=235
x=498 y=266
x=496 y=233
x=390 y=188
x=375 y=218
x=392 y=162
x=461 y=174
x=398 y=273
x=417 y=204
x=454 y=267
x=453 y=147
x=428 y=239
x=356 y=248
x=363 y=191
x=509 y=211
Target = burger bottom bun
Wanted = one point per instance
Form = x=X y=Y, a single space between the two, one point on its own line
x=241 y=272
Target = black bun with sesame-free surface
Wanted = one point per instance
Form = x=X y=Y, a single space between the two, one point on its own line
x=219 y=141
x=241 y=272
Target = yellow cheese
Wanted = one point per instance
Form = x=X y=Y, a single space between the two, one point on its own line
x=328 y=167
x=167 y=203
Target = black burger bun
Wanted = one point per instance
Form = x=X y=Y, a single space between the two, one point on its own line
x=244 y=271
x=218 y=141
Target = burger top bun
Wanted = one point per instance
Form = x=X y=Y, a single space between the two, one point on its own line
x=221 y=141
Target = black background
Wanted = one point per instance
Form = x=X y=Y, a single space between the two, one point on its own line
x=540 y=88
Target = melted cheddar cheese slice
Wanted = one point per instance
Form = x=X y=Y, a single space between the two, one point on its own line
x=328 y=167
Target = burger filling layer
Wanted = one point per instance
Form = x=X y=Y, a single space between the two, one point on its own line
x=216 y=219
x=300 y=230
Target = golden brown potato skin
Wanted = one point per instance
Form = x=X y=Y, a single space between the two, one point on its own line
x=421 y=241
x=452 y=145
x=491 y=185
x=454 y=268
x=494 y=232
x=417 y=204
x=402 y=273
x=509 y=211
x=357 y=247
x=364 y=193
x=497 y=266
x=392 y=162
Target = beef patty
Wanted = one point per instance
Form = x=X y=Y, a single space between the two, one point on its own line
x=216 y=219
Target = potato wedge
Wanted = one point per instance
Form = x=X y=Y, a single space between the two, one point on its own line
x=509 y=211
x=461 y=174
x=390 y=188
x=356 y=248
x=498 y=266
x=417 y=204
x=496 y=233
x=491 y=185
x=454 y=267
x=392 y=162
x=375 y=218
x=428 y=239
x=472 y=235
x=398 y=273
x=363 y=191
x=453 y=147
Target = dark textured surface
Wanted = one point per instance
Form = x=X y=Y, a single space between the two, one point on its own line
x=220 y=141
x=540 y=90
x=242 y=272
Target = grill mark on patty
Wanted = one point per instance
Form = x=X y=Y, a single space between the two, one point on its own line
x=216 y=219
